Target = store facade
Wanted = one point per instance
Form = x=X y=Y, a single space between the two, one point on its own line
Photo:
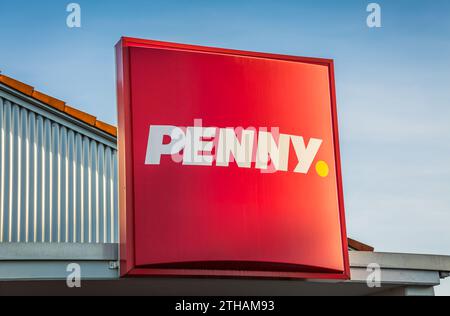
x=59 y=205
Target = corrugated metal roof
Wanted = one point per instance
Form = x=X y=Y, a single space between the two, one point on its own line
x=58 y=104
x=58 y=180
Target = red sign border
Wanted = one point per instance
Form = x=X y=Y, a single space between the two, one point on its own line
x=126 y=189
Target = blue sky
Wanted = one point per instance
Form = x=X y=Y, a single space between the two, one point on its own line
x=392 y=83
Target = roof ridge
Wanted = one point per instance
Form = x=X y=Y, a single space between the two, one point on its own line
x=58 y=105
x=359 y=246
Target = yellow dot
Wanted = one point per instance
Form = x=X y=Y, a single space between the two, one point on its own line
x=322 y=169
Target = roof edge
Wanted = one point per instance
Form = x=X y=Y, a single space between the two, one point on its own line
x=359 y=246
x=59 y=105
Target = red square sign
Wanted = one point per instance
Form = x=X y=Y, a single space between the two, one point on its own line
x=229 y=163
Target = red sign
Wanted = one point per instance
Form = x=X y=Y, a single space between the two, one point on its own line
x=229 y=163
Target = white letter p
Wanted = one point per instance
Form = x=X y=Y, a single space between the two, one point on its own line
x=156 y=147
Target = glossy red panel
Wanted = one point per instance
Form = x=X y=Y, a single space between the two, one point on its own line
x=228 y=221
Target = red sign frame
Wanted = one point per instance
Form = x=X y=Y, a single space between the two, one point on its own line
x=128 y=267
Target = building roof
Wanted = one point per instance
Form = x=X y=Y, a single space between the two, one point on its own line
x=58 y=105
x=359 y=246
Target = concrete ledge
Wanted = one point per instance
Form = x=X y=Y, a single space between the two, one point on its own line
x=36 y=271
x=58 y=252
x=400 y=261
x=398 y=277
x=43 y=262
x=109 y=252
